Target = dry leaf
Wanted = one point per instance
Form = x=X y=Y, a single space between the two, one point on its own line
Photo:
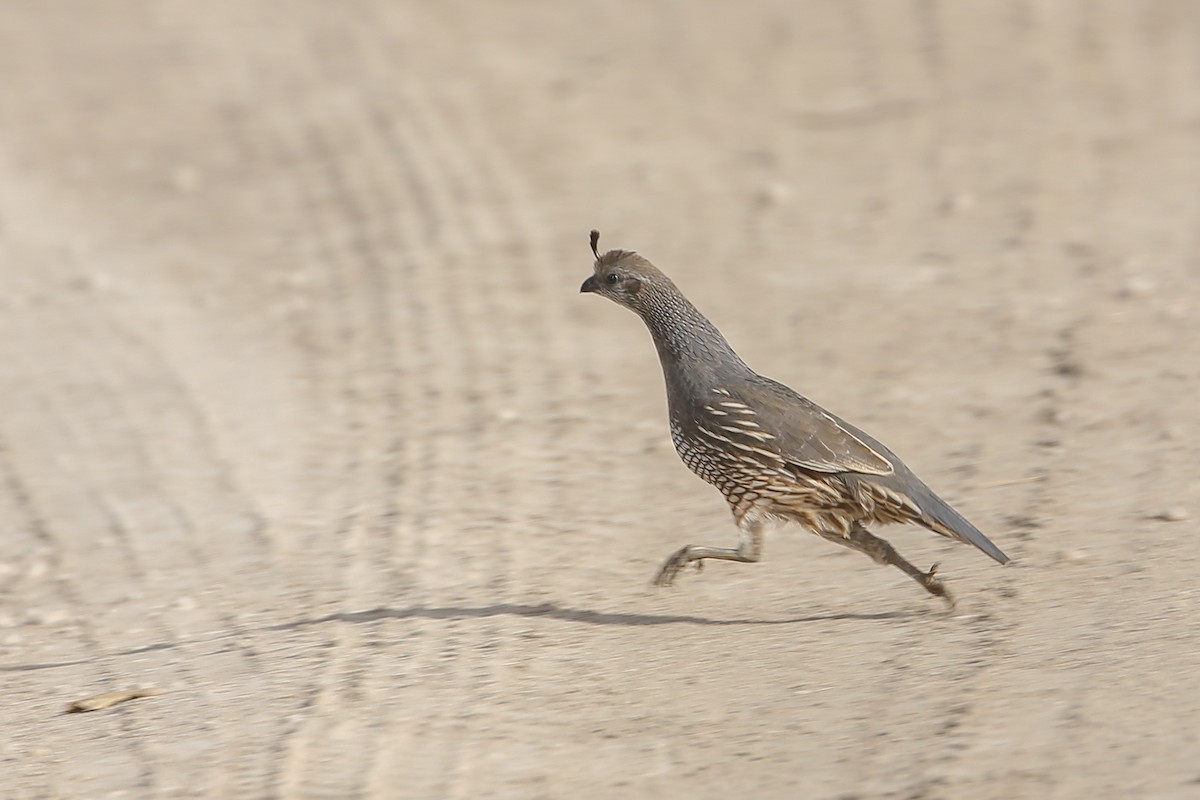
x=108 y=700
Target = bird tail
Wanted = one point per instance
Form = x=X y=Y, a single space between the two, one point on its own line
x=943 y=519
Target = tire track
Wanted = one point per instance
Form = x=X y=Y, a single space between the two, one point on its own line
x=438 y=403
x=223 y=536
x=518 y=423
x=470 y=326
x=442 y=498
x=239 y=765
x=397 y=398
x=48 y=510
x=130 y=751
x=453 y=189
x=315 y=745
x=472 y=185
x=133 y=497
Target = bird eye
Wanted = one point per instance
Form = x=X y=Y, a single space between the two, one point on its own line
x=611 y=278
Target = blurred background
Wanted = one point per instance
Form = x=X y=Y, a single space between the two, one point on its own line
x=304 y=424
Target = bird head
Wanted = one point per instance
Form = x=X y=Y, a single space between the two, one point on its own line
x=624 y=277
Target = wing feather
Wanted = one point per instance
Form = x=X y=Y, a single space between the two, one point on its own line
x=803 y=433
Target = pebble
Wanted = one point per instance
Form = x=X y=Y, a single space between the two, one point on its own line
x=186 y=178
x=1176 y=514
x=773 y=194
x=1136 y=286
x=41 y=616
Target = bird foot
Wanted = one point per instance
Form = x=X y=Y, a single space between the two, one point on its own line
x=936 y=587
x=671 y=568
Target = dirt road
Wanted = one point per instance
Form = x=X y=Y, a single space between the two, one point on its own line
x=304 y=423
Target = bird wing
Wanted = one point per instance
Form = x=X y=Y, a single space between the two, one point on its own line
x=800 y=431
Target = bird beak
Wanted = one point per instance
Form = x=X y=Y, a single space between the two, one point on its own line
x=589 y=285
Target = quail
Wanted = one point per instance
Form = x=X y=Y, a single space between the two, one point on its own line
x=775 y=456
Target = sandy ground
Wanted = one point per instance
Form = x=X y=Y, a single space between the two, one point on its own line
x=304 y=423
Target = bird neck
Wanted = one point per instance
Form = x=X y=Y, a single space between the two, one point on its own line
x=691 y=349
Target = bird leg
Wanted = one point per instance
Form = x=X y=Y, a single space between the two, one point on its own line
x=859 y=538
x=749 y=550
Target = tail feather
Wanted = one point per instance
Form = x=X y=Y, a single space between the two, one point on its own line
x=943 y=519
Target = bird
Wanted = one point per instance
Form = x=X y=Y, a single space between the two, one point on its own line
x=776 y=456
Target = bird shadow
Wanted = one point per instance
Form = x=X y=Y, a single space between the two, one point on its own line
x=544 y=610
x=552 y=611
